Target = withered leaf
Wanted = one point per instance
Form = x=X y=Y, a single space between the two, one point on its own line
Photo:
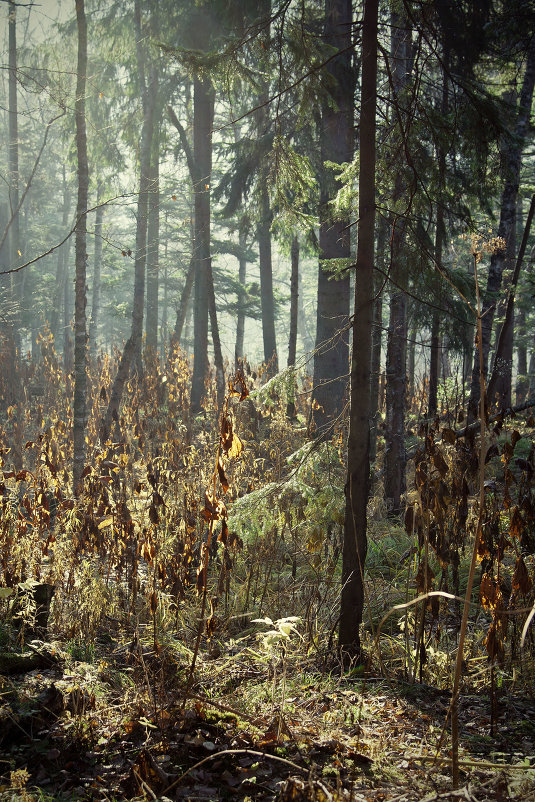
x=223 y=535
x=515 y=437
x=153 y=515
x=222 y=475
x=492 y=451
x=516 y=525
x=422 y=585
x=494 y=643
x=449 y=436
x=490 y=594
x=153 y=602
x=522 y=582
x=440 y=463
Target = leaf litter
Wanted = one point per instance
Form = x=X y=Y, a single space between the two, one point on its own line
x=121 y=729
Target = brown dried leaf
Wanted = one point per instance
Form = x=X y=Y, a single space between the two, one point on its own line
x=222 y=475
x=449 y=436
x=522 y=582
x=490 y=594
x=440 y=463
x=516 y=527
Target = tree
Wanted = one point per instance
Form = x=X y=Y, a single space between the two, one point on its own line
x=513 y=159
x=80 y=332
x=132 y=350
x=358 y=456
x=394 y=456
x=331 y=358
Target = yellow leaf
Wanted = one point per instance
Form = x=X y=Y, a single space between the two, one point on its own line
x=108 y=521
x=19 y=253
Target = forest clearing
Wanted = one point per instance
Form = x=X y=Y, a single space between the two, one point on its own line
x=225 y=574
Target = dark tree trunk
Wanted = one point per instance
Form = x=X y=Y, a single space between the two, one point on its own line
x=331 y=358
x=80 y=328
x=499 y=388
x=265 y=215
x=396 y=386
x=216 y=341
x=302 y=322
x=434 y=365
x=267 y=300
x=294 y=309
x=153 y=245
x=13 y=152
x=68 y=346
x=97 y=265
x=358 y=457
x=184 y=303
x=240 y=318
x=132 y=350
x=61 y=266
x=513 y=159
x=294 y=295
x=522 y=385
x=396 y=352
x=203 y=118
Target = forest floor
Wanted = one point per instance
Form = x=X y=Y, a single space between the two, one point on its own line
x=253 y=726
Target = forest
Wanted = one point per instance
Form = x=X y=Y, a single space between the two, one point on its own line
x=267 y=400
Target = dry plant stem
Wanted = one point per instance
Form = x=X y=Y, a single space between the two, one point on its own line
x=464 y=621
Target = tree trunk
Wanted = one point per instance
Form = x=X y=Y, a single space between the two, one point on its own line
x=396 y=386
x=513 y=159
x=267 y=300
x=265 y=214
x=80 y=330
x=13 y=158
x=242 y=275
x=522 y=384
x=153 y=244
x=68 y=346
x=61 y=266
x=203 y=118
x=434 y=364
x=184 y=302
x=331 y=358
x=292 y=343
x=216 y=341
x=132 y=350
x=394 y=482
x=499 y=388
x=97 y=264
x=302 y=322
x=358 y=457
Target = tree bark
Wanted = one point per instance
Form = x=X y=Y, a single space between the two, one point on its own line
x=153 y=244
x=267 y=300
x=97 y=265
x=13 y=152
x=184 y=301
x=434 y=365
x=132 y=349
x=242 y=275
x=513 y=157
x=57 y=304
x=396 y=352
x=294 y=310
x=499 y=388
x=80 y=329
x=265 y=215
x=358 y=457
x=203 y=118
x=331 y=358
